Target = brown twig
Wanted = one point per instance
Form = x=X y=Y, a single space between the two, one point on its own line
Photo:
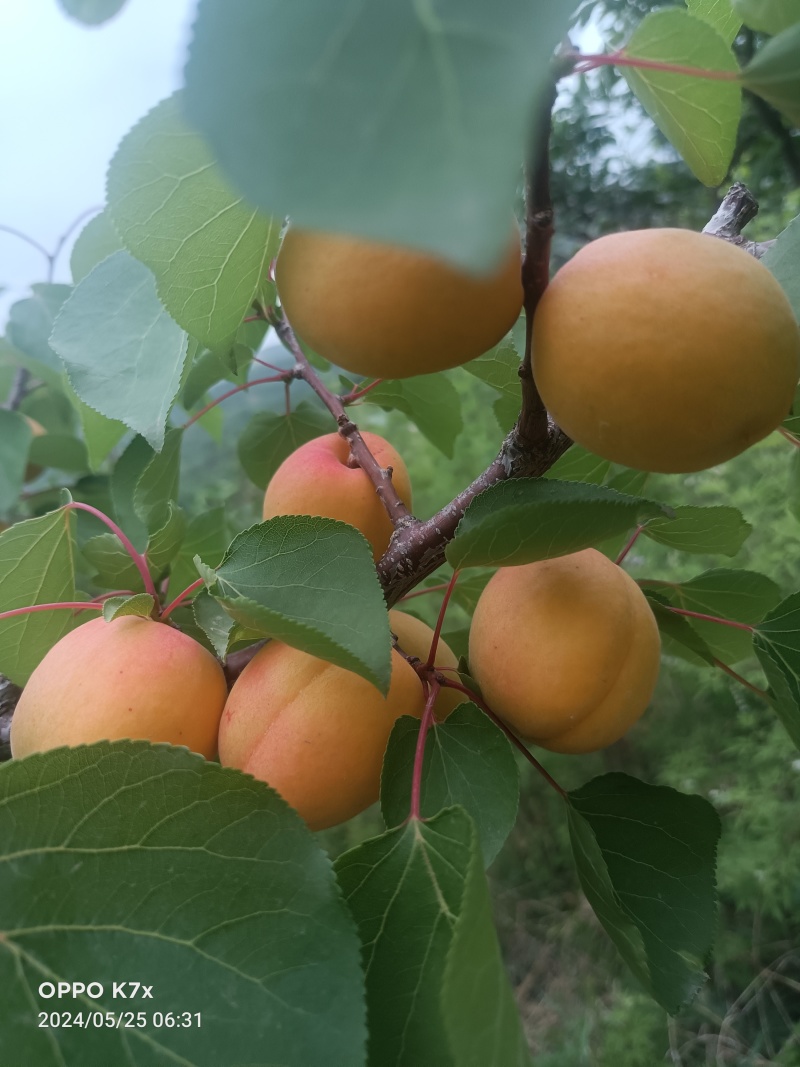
x=738 y=207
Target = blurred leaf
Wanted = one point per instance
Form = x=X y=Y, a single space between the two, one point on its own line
x=97 y=240
x=60 y=451
x=141 y=605
x=720 y=14
x=15 y=441
x=783 y=259
x=310 y=582
x=768 y=16
x=705 y=530
x=37 y=566
x=100 y=434
x=208 y=250
x=209 y=368
x=269 y=439
x=115 y=568
x=207 y=536
x=699 y=116
x=646 y=861
x=529 y=519
x=774 y=73
x=468 y=761
x=431 y=402
x=500 y=369
x=777 y=645
x=579 y=465
x=794 y=483
x=125 y=476
x=92 y=12
x=124 y=355
x=201 y=879
x=159 y=479
x=436 y=990
x=30 y=323
x=417 y=117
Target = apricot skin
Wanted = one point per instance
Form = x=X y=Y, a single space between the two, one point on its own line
x=316 y=480
x=666 y=350
x=131 y=678
x=390 y=312
x=318 y=733
x=566 y=651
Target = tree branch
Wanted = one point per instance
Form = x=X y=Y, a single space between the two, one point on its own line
x=738 y=207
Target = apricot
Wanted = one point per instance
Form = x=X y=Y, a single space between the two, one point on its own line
x=390 y=312
x=130 y=678
x=566 y=651
x=666 y=350
x=318 y=733
x=316 y=479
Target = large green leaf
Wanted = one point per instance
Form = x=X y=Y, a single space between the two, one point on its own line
x=269 y=439
x=699 y=116
x=646 y=860
x=783 y=259
x=131 y=862
x=774 y=73
x=529 y=519
x=705 y=530
x=431 y=402
x=768 y=16
x=718 y=13
x=436 y=991
x=310 y=582
x=208 y=250
x=37 y=566
x=124 y=354
x=97 y=240
x=405 y=122
x=777 y=645
x=468 y=761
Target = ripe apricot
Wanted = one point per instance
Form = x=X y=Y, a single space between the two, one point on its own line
x=666 y=350
x=317 y=480
x=390 y=312
x=316 y=732
x=131 y=678
x=566 y=651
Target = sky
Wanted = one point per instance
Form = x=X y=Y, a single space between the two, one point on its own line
x=69 y=94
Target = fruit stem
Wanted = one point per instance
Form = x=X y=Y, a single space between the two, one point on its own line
x=74 y=605
x=138 y=559
x=281 y=377
x=585 y=63
x=431 y=691
x=743 y=681
x=356 y=394
x=512 y=737
x=629 y=545
x=179 y=599
x=789 y=437
x=711 y=618
x=440 y=621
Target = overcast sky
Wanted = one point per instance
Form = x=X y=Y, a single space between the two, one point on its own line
x=69 y=94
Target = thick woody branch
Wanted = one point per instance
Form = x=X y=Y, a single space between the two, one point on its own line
x=380 y=477
x=738 y=207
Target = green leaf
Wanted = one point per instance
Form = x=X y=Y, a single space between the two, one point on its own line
x=100 y=434
x=214 y=621
x=37 y=566
x=30 y=323
x=777 y=645
x=529 y=519
x=417 y=115
x=269 y=439
x=783 y=259
x=125 y=476
x=742 y=596
x=124 y=354
x=159 y=479
x=468 y=761
x=431 y=402
x=774 y=73
x=499 y=368
x=695 y=529
x=436 y=991
x=678 y=636
x=719 y=14
x=310 y=582
x=646 y=861
x=768 y=16
x=579 y=465
x=97 y=240
x=92 y=12
x=141 y=605
x=208 y=250
x=196 y=880
x=210 y=368
x=15 y=441
x=206 y=536
x=699 y=116
x=60 y=451
x=115 y=568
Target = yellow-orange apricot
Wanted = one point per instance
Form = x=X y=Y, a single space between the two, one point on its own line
x=130 y=678
x=390 y=312
x=318 y=733
x=666 y=350
x=316 y=479
x=565 y=651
